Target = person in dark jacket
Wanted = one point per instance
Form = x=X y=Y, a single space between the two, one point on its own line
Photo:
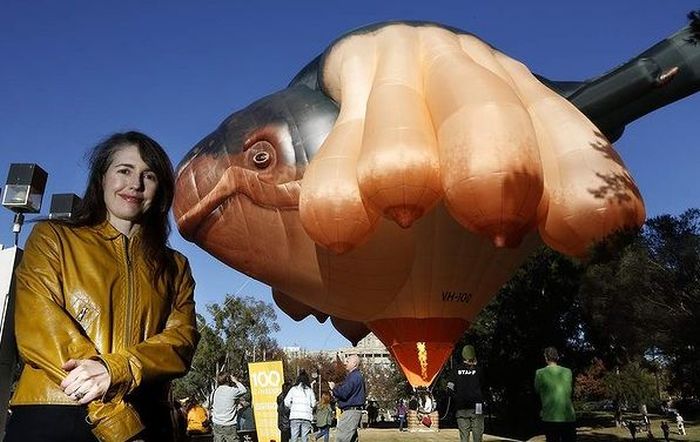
x=665 y=430
x=283 y=414
x=466 y=386
x=246 y=419
x=351 y=398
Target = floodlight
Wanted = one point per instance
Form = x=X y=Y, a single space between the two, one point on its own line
x=63 y=206
x=24 y=188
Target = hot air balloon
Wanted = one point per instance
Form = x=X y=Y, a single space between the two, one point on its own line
x=353 y=331
x=295 y=309
x=405 y=174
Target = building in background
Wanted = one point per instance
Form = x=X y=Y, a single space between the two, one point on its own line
x=370 y=349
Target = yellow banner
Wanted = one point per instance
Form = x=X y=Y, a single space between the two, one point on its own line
x=266 y=380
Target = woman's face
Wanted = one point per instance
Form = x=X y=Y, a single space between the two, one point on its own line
x=129 y=186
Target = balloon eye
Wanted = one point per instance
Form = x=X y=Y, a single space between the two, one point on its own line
x=262 y=159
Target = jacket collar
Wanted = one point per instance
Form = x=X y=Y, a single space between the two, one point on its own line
x=110 y=233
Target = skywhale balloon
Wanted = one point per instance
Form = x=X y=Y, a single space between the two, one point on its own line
x=407 y=171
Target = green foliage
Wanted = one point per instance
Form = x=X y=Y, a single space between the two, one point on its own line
x=241 y=332
x=642 y=291
x=246 y=326
x=385 y=384
x=539 y=307
x=631 y=385
x=637 y=295
x=199 y=380
x=675 y=246
x=621 y=295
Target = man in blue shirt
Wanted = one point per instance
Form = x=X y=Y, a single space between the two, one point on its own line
x=351 y=398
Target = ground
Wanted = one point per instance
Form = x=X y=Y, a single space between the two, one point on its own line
x=600 y=432
x=584 y=434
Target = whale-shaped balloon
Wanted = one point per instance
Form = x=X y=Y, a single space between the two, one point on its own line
x=406 y=173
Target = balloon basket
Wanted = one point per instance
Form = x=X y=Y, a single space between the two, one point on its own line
x=417 y=422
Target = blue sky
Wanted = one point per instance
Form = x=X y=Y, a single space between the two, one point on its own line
x=72 y=72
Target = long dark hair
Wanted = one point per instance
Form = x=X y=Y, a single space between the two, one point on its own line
x=155 y=226
x=303 y=379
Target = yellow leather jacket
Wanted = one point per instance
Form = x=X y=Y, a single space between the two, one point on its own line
x=86 y=292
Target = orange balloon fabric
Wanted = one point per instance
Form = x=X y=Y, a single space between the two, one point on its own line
x=353 y=331
x=295 y=309
x=447 y=165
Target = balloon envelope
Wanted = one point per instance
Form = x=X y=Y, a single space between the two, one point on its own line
x=408 y=207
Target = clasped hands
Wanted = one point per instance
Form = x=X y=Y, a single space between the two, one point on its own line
x=86 y=381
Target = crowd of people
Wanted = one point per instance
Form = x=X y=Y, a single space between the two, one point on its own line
x=301 y=417
x=297 y=407
x=228 y=414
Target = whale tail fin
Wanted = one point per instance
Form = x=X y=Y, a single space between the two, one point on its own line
x=663 y=74
x=694 y=17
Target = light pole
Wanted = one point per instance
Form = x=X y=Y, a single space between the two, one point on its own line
x=23 y=192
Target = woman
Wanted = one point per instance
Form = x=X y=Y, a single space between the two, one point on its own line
x=324 y=417
x=104 y=313
x=301 y=401
x=401 y=413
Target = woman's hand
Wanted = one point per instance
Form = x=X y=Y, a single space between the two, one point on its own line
x=87 y=380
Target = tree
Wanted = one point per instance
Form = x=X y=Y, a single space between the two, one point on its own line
x=537 y=308
x=631 y=385
x=316 y=365
x=674 y=243
x=622 y=295
x=589 y=385
x=199 y=381
x=241 y=332
x=385 y=384
x=641 y=292
x=246 y=326
x=637 y=295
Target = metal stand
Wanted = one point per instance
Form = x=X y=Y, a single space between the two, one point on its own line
x=17 y=226
x=9 y=259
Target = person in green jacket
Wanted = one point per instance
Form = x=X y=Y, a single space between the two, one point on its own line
x=554 y=384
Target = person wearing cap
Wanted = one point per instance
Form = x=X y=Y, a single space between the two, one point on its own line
x=554 y=384
x=465 y=384
x=351 y=398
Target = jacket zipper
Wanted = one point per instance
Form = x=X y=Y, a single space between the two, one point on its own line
x=129 y=289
